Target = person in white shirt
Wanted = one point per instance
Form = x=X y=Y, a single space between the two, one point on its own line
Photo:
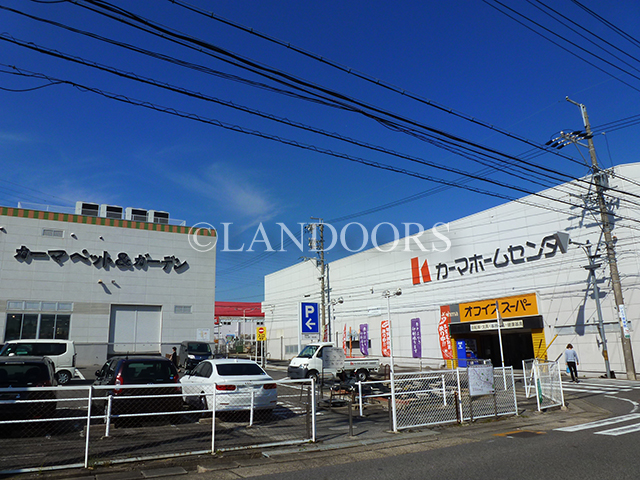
x=571 y=357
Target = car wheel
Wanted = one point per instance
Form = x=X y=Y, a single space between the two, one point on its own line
x=362 y=375
x=313 y=374
x=63 y=377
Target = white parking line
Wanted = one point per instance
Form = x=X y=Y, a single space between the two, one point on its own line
x=599 y=423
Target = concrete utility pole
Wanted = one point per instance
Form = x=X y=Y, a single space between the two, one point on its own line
x=600 y=180
x=318 y=245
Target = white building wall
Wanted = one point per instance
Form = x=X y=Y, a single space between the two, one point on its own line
x=77 y=282
x=559 y=281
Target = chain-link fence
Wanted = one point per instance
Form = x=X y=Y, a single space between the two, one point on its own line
x=502 y=402
x=62 y=427
x=426 y=399
x=440 y=397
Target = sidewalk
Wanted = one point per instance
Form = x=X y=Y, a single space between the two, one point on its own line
x=378 y=443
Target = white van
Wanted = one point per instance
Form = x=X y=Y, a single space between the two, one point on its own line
x=61 y=352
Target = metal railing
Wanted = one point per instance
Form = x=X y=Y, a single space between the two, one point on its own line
x=440 y=397
x=49 y=428
x=548 y=382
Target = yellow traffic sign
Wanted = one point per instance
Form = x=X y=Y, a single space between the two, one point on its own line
x=261 y=334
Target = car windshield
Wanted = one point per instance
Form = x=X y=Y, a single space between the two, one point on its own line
x=147 y=371
x=308 y=351
x=199 y=348
x=239 y=369
x=23 y=374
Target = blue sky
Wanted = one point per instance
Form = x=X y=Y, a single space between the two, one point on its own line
x=61 y=143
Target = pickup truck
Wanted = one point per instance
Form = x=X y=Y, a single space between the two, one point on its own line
x=308 y=364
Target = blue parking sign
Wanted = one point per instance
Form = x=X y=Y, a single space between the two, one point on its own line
x=309 y=317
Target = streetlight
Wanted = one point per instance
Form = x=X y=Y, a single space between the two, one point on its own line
x=388 y=294
x=591 y=268
x=335 y=302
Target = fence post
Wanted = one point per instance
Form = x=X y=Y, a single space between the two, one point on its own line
x=86 y=448
x=444 y=391
x=107 y=417
x=313 y=410
x=360 y=397
x=251 y=413
x=213 y=420
x=455 y=397
x=513 y=384
x=560 y=382
x=536 y=380
x=460 y=395
x=350 y=419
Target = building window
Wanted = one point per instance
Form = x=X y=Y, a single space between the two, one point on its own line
x=290 y=349
x=50 y=232
x=33 y=325
x=182 y=309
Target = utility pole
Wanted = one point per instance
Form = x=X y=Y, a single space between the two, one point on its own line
x=317 y=244
x=600 y=180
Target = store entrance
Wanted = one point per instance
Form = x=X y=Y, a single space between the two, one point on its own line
x=516 y=347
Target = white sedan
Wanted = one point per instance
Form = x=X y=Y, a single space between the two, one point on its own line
x=238 y=384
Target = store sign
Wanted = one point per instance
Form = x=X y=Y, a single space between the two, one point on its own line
x=481 y=327
x=510 y=307
x=364 y=339
x=416 y=338
x=103 y=260
x=530 y=251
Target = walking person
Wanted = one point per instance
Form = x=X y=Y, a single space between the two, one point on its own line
x=571 y=357
x=174 y=357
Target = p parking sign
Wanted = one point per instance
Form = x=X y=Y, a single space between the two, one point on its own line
x=309 y=318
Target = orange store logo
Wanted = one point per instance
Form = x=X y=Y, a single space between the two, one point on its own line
x=417 y=272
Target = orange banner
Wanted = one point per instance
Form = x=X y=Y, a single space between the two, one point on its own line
x=510 y=307
x=386 y=344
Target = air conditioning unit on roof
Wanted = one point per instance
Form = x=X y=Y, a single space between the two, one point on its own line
x=155 y=216
x=111 y=211
x=88 y=209
x=135 y=214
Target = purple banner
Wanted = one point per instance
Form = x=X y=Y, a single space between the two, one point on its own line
x=364 y=338
x=416 y=338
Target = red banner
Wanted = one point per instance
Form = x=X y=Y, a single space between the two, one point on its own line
x=344 y=340
x=443 y=333
x=386 y=344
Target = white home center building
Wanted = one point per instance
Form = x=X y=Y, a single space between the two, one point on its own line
x=113 y=280
x=524 y=255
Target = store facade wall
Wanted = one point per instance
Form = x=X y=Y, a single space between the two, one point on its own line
x=519 y=251
x=110 y=285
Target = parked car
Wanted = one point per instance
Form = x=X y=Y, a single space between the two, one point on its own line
x=142 y=371
x=235 y=380
x=191 y=353
x=21 y=372
x=61 y=352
